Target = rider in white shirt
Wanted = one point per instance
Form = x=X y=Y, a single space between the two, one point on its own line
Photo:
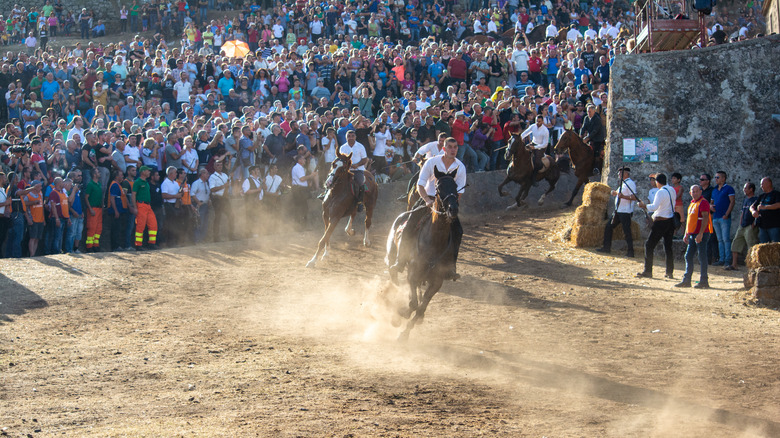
x=540 y=138
x=359 y=160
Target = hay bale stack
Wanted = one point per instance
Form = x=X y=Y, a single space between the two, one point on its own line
x=596 y=195
x=585 y=236
x=589 y=215
x=763 y=255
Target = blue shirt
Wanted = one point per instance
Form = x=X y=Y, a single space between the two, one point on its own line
x=48 y=89
x=720 y=197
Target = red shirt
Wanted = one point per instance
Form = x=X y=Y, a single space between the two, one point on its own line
x=457 y=68
x=535 y=65
x=459 y=129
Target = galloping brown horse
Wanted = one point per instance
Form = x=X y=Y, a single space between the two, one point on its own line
x=430 y=251
x=582 y=159
x=521 y=169
x=342 y=201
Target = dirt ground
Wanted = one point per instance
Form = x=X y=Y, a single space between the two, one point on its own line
x=239 y=339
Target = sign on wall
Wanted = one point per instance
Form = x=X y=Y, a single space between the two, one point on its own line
x=640 y=149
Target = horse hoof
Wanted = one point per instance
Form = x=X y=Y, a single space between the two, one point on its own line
x=311 y=263
x=540 y=202
x=350 y=232
x=404 y=336
x=513 y=207
x=367 y=243
x=405 y=313
x=503 y=193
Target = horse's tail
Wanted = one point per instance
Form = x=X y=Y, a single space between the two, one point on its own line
x=564 y=163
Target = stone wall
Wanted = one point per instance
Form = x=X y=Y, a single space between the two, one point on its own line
x=710 y=109
x=107 y=10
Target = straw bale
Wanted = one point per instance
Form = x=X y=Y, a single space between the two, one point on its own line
x=767 y=295
x=763 y=255
x=589 y=215
x=596 y=194
x=635 y=232
x=584 y=236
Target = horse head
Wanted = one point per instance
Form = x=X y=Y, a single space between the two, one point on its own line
x=514 y=141
x=446 y=193
x=340 y=167
x=567 y=140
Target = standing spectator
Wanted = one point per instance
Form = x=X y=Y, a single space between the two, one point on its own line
x=59 y=216
x=84 y=19
x=123 y=13
x=73 y=238
x=93 y=197
x=766 y=210
x=706 y=192
x=723 y=200
x=663 y=226
x=33 y=207
x=252 y=188
x=219 y=183
x=300 y=188
x=171 y=192
x=118 y=210
x=747 y=233
x=145 y=218
x=625 y=199
x=201 y=195
x=698 y=231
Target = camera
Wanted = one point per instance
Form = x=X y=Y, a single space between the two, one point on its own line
x=20 y=149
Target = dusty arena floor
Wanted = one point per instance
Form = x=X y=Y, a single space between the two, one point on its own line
x=239 y=339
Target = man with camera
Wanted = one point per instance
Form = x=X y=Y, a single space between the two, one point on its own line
x=625 y=200
x=663 y=226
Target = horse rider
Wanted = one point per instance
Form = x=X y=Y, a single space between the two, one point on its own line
x=540 y=137
x=359 y=161
x=426 y=187
x=593 y=133
x=426 y=151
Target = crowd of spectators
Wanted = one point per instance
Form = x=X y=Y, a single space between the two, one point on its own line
x=209 y=133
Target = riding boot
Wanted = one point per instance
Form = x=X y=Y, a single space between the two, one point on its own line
x=361 y=191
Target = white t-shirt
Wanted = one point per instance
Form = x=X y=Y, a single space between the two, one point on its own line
x=169 y=187
x=358 y=152
x=278 y=30
x=573 y=34
x=183 y=90
x=590 y=34
x=132 y=152
x=430 y=150
x=190 y=158
x=329 y=149
x=247 y=185
x=551 y=31
x=628 y=188
x=299 y=172
x=428 y=180
x=316 y=27
x=520 y=58
x=381 y=142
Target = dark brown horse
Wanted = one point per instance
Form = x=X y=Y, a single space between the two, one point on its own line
x=342 y=201
x=582 y=159
x=429 y=252
x=521 y=170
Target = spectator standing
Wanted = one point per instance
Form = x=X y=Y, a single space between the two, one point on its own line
x=723 y=200
x=697 y=234
x=663 y=226
x=747 y=233
x=59 y=216
x=171 y=192
x=145 y=218
x=219 y=183
x=93 y=197
x=766 y=209
x=625 y=200
x=252 y=188
x=201 y=195
x=118 y=210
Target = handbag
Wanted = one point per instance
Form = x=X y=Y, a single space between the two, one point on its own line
x=676 y=219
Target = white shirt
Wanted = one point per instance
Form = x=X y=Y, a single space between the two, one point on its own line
x=430 y=150
x=217 y=179
x=540 y=135
x=278 y=30
x=381 y=142
x=182 y=91
x=520 y=58
x=79 y=131
x=170 y=187
x=328 y=149
x=663 y=204
x=478 y=26
x=131 y=152
x=299 y=172
x=551 y=31
x=492 y=28
x=273 y=183
x=590 y=34
x=358 y=152
x=428 y=180
x=200 y=190
x=627 y=188
x=573 y=34
x=316 y=27
x=3 y=198
x=651 y=194
x=190 y=158
x=247 y=185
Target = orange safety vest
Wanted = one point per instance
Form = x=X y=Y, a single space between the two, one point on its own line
x=122 y=195
x=35 y=205
x=185 y=194
x=694 y=218
x=63 y=211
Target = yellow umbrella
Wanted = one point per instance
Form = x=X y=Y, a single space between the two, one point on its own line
x=235 y=49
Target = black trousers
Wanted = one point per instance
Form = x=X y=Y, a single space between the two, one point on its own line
x=623 y=219
x=172 y=224
x=661 y=229
x=222 y=208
